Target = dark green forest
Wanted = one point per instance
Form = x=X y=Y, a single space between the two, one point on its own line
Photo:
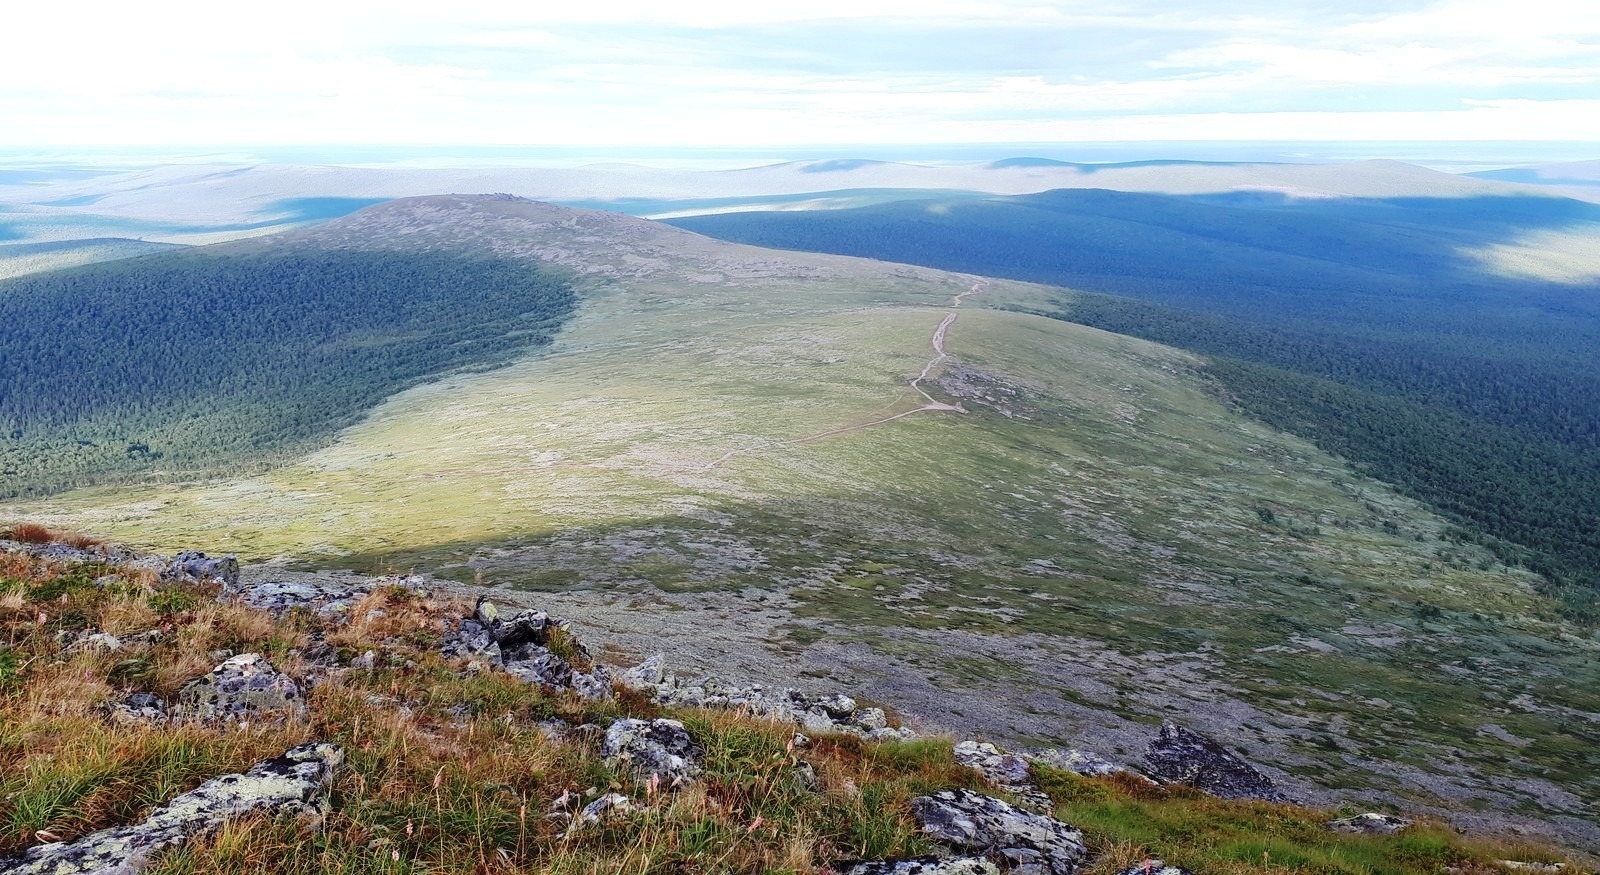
x=1355 y=323
x=193 y=361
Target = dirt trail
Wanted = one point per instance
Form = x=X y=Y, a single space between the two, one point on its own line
x=930 y=403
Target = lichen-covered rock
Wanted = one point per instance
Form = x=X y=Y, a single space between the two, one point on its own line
x=1154 y=867
x=609 y=805
x=1006 y=771
x=1182 y=757
x=241 y=688
x=1079 y=762
x=520 y=644
x=295 y=783
x=136 y=708
x=1028 y=844
x=1370 y=823
x=654 y=747
x=922 y=866
x=193 y=566
x=994 y=764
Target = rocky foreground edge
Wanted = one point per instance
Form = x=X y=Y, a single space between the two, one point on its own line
x=980 y=833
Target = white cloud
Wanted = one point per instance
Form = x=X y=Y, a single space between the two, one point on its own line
x=626 y=71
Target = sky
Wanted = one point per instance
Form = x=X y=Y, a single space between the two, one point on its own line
x=761 y=72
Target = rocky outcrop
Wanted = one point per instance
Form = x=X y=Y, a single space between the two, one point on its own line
x=1370 y=823
x=519 y=644
x=328 y=599
x=1179 y=756
x=295 y=783
x=835 y=713
x=243 y=687
x=922 y=866
x=1006 y=771
x=653 y=747
x=190 y=566
x=1028 y=844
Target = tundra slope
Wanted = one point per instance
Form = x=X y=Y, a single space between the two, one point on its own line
x=1099 y=543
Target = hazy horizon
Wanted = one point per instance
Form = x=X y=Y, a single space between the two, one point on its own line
x=1463 y=156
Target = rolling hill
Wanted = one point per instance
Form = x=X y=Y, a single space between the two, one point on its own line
x=1054 y=534
x=201 y=203
x=1391 y=331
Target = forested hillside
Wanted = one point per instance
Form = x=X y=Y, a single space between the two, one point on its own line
x=209 y=359
x=1360 y=324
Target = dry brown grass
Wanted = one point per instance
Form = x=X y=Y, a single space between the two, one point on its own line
x=32 y=533
x=450 y=773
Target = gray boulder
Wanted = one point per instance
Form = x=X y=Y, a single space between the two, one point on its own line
x=922 y=866
x=653 y=747
x=1371 y=823
x=241 y=688
x=1179 y=756
x=295 y=783
x=1079 y=762
x=1028 y=844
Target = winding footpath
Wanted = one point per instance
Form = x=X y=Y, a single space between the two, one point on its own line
x=930 y=403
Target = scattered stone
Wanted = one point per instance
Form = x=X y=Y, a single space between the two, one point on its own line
x=654 y=747
x=365 y=662
x=242 y=687
x=891 y=733
x=1370 y=823
x=295 y=783
x=485 y=612
x=806 y=774
x=193 y=566
x=1154 y=867
x=1523 y=866
x=1028 y=844
x=555 y=728
x=137 y=708
x=922 y=866
x=609 y=805
x=1006 y=771
x=1180 y=756
x=101 y=641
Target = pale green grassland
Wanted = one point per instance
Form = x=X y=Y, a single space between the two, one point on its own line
x=1121 y=523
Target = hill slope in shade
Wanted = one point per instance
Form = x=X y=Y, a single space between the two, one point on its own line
x=1070 y=536
x=216 y=357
